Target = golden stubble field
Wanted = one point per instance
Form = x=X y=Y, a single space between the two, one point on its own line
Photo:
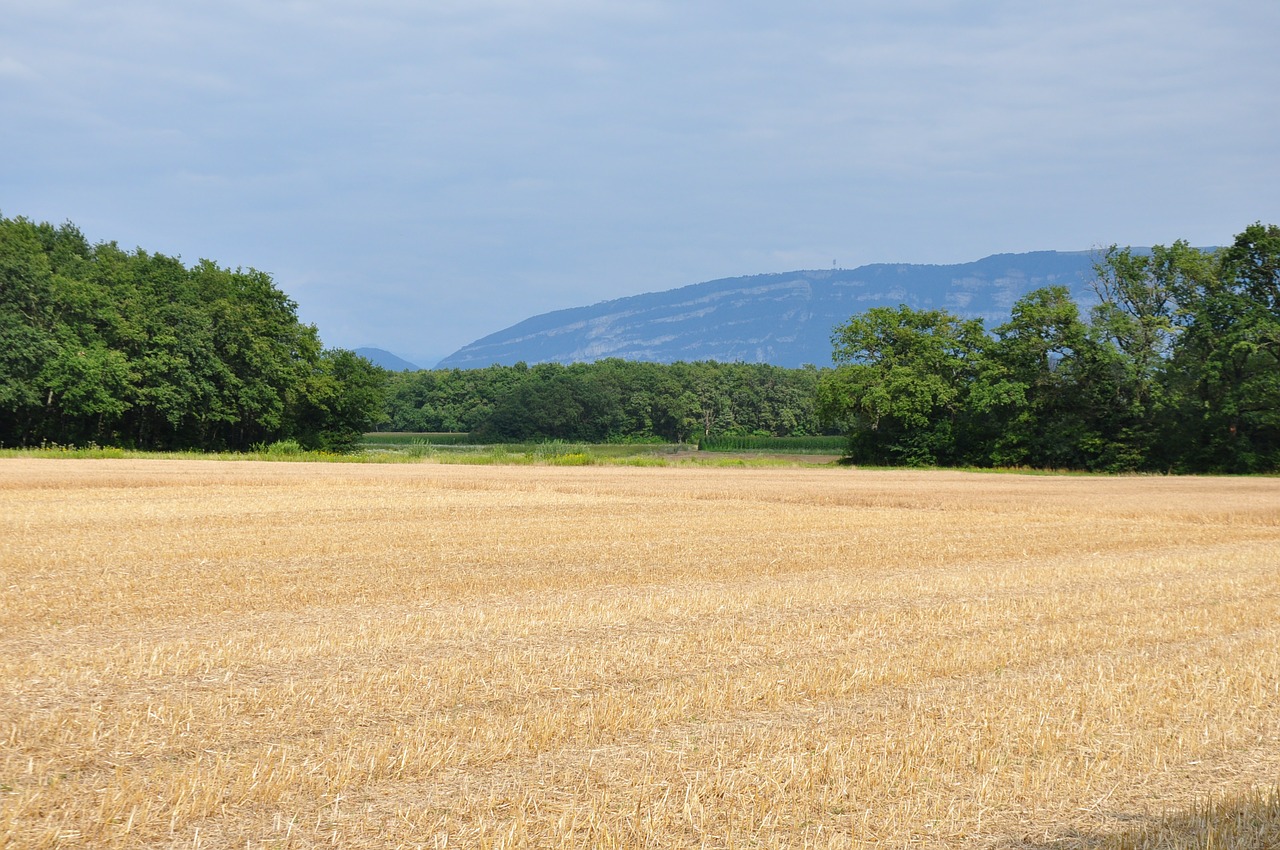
x=253 y=655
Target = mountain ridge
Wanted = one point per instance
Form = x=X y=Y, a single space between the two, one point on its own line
x=782 y=318
x=385 y=359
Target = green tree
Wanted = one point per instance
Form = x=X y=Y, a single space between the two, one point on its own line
x=900 y=384
x=97 y=343
x=545 y=404
x=1025 y=391
x=339 y=400
x=27 y=322
x=1136 y=327
x=1227 y=363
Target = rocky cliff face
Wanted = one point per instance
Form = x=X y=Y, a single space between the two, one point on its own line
x=784 y=319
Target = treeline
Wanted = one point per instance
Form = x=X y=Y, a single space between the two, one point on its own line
x=133 y=349
x=1176 y=369
x=606 y=400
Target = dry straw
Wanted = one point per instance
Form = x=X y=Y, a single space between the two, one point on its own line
x=223 y=655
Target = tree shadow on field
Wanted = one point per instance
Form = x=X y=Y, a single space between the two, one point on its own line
x=1248 y=821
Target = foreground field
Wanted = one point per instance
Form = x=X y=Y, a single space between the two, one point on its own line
x=212 y=655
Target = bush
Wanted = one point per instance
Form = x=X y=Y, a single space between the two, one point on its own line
x=284 y=448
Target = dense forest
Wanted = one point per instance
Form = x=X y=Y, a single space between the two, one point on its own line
x=607 y=400
x=1176 y=368
x=133 y=349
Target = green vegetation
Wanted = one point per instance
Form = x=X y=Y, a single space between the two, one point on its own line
x=402 y=439
x=1176 y=369
x=382 y=447
x=286 y=450
x=606 y=401
x=782 y=445
x=100 y=345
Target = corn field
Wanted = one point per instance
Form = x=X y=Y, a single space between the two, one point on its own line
x=795 y=445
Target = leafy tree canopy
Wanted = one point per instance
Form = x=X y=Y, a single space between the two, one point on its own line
x=1177 y=368
x=98 y=344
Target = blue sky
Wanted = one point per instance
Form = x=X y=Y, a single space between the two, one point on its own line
x=419 y=174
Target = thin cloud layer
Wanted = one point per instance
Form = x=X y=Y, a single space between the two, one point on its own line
x=419 y=175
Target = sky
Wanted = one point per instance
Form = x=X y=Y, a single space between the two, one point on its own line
x=417 y=174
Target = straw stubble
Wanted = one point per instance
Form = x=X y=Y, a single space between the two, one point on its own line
x=288 y=655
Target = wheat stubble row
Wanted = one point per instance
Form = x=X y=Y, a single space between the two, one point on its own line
x=288 y=655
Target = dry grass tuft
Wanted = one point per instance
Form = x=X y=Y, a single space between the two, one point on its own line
x=219 y=655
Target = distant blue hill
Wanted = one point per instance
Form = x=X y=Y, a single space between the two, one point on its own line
x=387 y=360
x=785 y=319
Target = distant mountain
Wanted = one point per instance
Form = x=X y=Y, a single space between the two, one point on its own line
x=784 y=319
x=387 y=360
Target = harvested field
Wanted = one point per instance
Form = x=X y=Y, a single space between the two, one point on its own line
x=253 y=655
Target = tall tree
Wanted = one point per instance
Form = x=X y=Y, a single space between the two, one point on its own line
x=1027 y=398
x=340 y=399
x=1228 y=360
x=1137 y=327
x=901 y=382
x=27 y=327
x=100 y=344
